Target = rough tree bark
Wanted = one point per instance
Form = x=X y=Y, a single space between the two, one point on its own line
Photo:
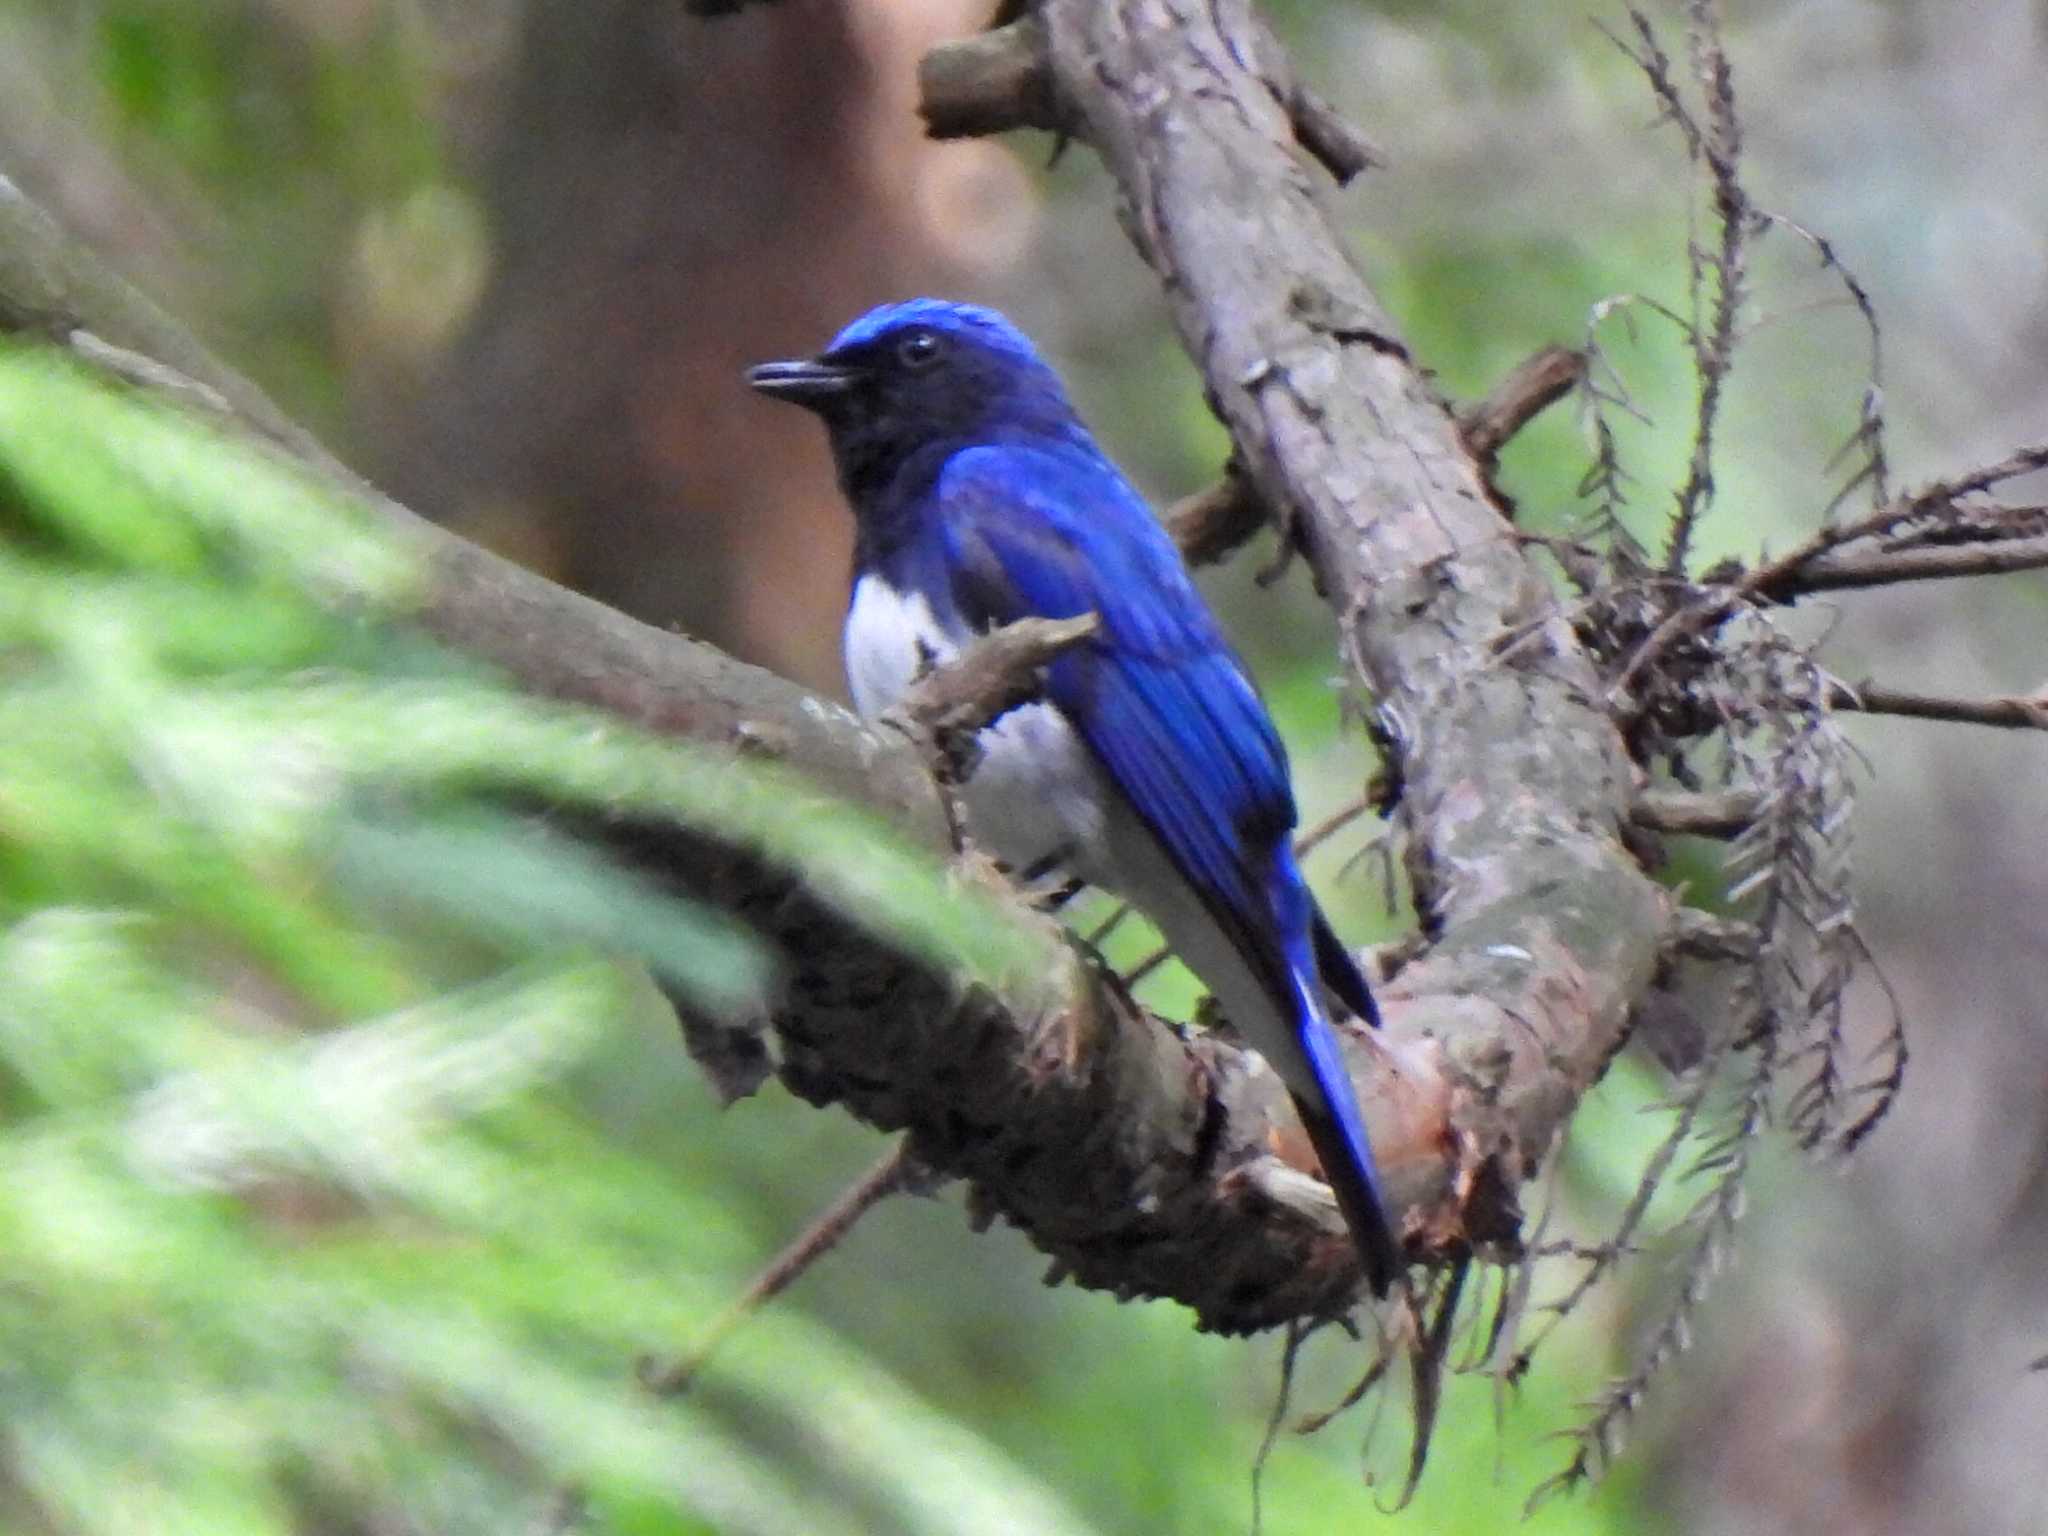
x=1543 y=929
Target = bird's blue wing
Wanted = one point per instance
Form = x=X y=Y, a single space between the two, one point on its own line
x=1171 y=714
x=1157 y=694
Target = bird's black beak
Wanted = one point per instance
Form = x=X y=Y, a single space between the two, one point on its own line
x=806 y=381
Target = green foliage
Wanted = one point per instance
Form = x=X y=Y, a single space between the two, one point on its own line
x=318 y=1207
x=303 y=139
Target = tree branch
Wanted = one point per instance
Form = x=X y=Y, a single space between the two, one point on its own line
x=1214 y=523
x=895 y=1170
x=1827 y=552
x=1515 y=783
x=1537 y=383
x=2013 y=712
x=1722 y=814
x=1846 y=570
x=993 y=676
x=1004 y=79
x=988 y=84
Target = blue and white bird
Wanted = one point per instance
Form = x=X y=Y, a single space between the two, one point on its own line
x=1150 y=768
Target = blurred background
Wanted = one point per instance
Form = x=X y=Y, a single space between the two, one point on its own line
x=509 y=258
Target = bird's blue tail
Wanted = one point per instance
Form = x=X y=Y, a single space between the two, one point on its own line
x=1342 y=975
x=1336 y=1129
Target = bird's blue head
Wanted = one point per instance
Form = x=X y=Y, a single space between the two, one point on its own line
x=907 y=384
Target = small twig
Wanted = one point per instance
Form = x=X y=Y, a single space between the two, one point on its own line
x=1319 y=834
x=1325 y=133
x=1849 y=569
x=1146 y=966
x=1774 y=579
x=1703 y=936
x=2017 y=712
x=1216 y=522
x=1315 y=1423
x=1770 y=578
x=1720 y=144
x=1869 y=434
x=1426 y=1361
x=895 y=1169
x=1700 y=815
x=990 y=84
x=1298 y=1333
x=1330 y=138
x=2021 y=461
x=1535 y=384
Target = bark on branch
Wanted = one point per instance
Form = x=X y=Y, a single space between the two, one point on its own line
x=1515 y=784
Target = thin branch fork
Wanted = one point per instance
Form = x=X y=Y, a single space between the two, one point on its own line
x=1825 y=552
x=1781 y=577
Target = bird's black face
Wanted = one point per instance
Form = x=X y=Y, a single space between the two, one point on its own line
x=920 y=378
x=903 y=394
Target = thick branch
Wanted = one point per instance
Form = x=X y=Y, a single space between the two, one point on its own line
x=1515 y=784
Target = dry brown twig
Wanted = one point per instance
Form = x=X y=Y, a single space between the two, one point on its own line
x=894 y=1171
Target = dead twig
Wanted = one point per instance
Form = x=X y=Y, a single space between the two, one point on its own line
x=2012 y=712
x=895 y=1170
x=1534 y=385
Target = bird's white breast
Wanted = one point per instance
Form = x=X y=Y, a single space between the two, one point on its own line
x=890 y=639
x=1037 y=794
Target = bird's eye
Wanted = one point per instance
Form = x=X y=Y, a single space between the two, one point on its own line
x=920 y=349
